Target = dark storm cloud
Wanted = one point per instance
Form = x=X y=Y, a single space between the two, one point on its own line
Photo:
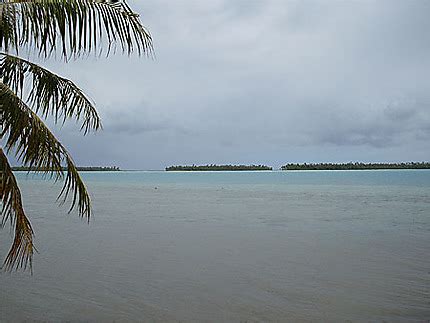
x=133 y=121
x=401 y=121
x=264 y=81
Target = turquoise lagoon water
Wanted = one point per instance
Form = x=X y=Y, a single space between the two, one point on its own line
x=228 y=246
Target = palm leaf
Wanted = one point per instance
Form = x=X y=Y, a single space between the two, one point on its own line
x=35 y=146
x=8 y=27
x=21 y=252
x=75 y=26
x=49 y=93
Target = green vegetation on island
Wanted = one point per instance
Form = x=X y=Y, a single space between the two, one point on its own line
x=356 y=166
x=82 y=169
x=214 y=167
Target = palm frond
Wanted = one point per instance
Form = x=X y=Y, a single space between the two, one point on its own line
x=49 y=93
x=8 y=28
x=75 y=26
x=22 y=249
x=35 y=146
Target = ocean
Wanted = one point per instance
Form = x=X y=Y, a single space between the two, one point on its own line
x=228 y=247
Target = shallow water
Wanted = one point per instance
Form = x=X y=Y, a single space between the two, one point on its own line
x=223 y=246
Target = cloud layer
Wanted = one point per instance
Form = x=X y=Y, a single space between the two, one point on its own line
x=263 y=82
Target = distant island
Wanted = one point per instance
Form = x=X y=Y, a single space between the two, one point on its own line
x=218 y=168
x=82 y=169
x=352 y=166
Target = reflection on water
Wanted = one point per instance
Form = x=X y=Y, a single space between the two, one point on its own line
x=229 y=247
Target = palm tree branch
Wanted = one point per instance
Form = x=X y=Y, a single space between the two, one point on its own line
x=35 y=146
x=22 y=249
x=75 y=26
x=8 y=27
x=50 y=94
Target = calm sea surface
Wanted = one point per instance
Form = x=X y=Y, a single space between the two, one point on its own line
x=228 y=246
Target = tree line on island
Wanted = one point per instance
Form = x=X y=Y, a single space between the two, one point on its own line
x=356 y=166
x=290 y=166
x=304 y=166
x=213 y=167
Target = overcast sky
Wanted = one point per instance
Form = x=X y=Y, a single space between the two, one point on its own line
x=270 y=82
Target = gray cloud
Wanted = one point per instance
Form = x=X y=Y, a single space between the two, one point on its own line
x=263 y=81
x=134 y=121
